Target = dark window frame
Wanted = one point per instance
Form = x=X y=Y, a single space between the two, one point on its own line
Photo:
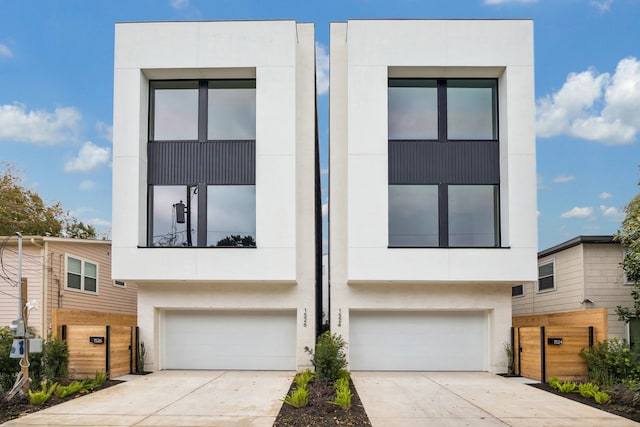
x=517 y=294
x=193 y=159
x=476 y=162
x=543 y=280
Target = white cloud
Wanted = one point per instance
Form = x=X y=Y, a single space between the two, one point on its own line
x=592 y=106
x=578 y=212
x=105 y=131
x=5 y=51
x=541 y=184
x=89 y=158
x=564 y=178
x=322 y=69
x=179 y=4
x=602 y=6
x=39 y=127
x=612 y=213
x=604 y=195
x=98 y=222
x=87 y=185
x=325 y=209
x=324 y=171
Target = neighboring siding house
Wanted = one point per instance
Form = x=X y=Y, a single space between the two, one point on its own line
x=216 y=189
x=582 y=273
x=72 y=274
x=432 y=210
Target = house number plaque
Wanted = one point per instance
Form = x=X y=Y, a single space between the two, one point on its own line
x=554 y=341
x=96 y=340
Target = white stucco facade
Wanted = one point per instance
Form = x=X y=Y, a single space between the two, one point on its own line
x=279 y=274
x=368 y=275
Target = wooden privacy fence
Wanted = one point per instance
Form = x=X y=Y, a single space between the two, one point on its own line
x=97 y=341
x=551 y=351
x=108 y=349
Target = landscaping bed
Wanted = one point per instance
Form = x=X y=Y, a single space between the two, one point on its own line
x=618 y=405
x=320 y=413
x=19 y=405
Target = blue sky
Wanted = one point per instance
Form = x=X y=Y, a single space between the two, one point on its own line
x=56 y=91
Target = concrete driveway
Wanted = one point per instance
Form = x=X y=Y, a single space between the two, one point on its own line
x=175 y=398
x=477 y=399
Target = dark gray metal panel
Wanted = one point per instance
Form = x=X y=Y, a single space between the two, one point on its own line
x=190 y=162
x=432 y=162
x=173 y=162
x=229 y=162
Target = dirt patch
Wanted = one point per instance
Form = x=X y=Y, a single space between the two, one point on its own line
x=319 y=413
x=617 y=405
x=19 y=405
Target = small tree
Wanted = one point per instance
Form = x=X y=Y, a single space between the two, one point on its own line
x=629 y=237
x=329 y=358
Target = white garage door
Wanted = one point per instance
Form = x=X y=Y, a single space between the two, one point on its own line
x=418 y=341
x=216 y=339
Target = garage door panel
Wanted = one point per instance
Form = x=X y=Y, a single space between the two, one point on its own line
x=413 y=341
x=214 y=339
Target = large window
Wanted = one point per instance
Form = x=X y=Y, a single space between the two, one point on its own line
x=82 y=275
x=444 y=172
x=546 y=273
x=201 y=169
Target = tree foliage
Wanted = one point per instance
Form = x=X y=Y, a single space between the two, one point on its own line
x=23 y=210
x=237 y=240
x=629 y=237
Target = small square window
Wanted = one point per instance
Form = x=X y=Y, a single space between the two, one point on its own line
x=517 y=291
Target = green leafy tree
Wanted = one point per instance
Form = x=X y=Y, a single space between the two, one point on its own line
x=629 y=237
x=237 y=240
x=23 y=210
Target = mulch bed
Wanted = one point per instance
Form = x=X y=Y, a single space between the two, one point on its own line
x=19 y=405
x=616 y=406
x=319 y=413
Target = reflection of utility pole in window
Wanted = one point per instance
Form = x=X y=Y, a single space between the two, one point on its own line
x=181 y=210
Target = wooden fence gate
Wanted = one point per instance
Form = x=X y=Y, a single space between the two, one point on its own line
x=108 y=349
x=551 y=351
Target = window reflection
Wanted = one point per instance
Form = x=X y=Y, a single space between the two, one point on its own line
x=413 y=109
x=473 y=215
x=175 y=111
x=232 y=114
x=413 y=215
x=471 y=109
x=231 y=215
x=167 y=231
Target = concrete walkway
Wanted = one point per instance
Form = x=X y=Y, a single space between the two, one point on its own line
x=175 y=398
x=477 y=399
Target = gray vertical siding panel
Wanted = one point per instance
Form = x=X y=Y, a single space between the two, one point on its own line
x=432 y=162
x=190 y=162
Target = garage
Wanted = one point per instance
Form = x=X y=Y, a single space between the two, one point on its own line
x=220 y=339
x=418 y=341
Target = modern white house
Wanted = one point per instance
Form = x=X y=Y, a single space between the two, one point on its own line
x=216 y=209
x=432 y=204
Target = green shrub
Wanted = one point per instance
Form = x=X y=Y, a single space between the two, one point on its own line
x=41 y=396
x=554 y=382
x=9 y=367
x=298 y=398
x=72 y=388
x=97 y=381
x=55 y=358
x=567 y=387
x=343 y=394
x=611 y=362
x=329 y=358
x=303 y=378
x=588 y=390
x=601 y=397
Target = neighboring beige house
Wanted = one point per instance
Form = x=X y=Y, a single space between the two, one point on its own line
x=582 y=273
x=61 y=273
